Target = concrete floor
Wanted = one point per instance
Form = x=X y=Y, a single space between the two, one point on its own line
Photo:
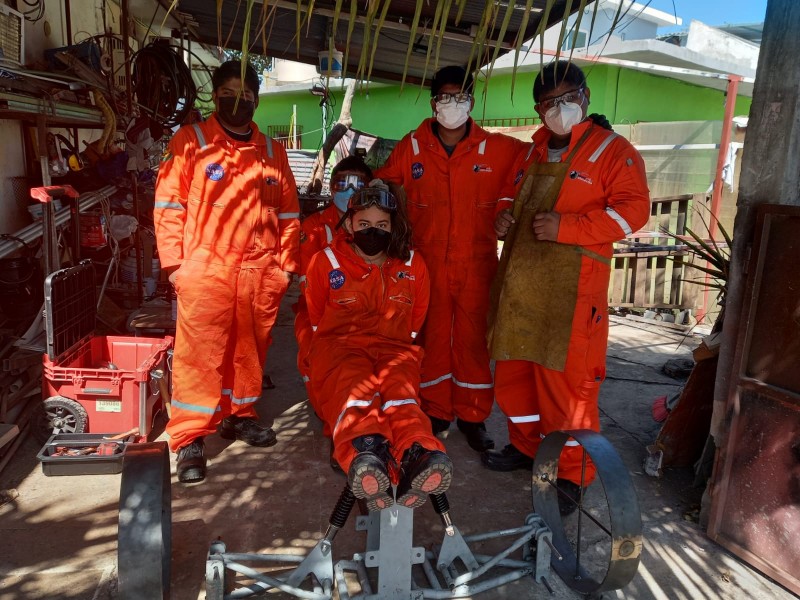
x=61 y=531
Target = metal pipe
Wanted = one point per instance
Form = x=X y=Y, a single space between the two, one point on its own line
x=33 y=232
x=716 y=191
x=271 y=581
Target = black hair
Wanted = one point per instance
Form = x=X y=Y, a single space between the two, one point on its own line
x=354 y=162
x=454 y=74
x=232 y=69
x=556 y=73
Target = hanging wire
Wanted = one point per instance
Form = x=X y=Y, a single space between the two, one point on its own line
x=163 y=83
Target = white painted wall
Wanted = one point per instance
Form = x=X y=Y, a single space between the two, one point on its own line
x=718 y=44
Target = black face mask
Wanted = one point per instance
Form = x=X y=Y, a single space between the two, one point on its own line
x=372 y=241
x=242 y=116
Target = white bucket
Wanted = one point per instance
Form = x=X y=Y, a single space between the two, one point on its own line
x=127 y=267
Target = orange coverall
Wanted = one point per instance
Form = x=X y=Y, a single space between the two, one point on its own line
x=451 y=207
x=226 y=212
x=365 y=368
x=317 y=231
x=604 y=198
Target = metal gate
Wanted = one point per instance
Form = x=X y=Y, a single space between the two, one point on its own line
x=755 y=510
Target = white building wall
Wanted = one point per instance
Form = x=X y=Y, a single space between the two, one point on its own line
x=718 y=44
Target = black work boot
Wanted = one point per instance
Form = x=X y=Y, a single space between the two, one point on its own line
x=477 y=437
x=507 y=459
x=438 y=425
x=191 y=467
x=333 y=462
x=569 y=494
x=368 y=476
x=424 y=472
x=248 y=430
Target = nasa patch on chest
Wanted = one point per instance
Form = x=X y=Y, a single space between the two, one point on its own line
x=417 y=170
x=336 y=277
x=215 y=172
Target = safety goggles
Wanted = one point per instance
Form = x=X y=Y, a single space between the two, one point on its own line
x=459 y=98
x=366 y=197
x=573 y=96
x=341 y=183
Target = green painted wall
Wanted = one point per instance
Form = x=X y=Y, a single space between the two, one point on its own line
x=623 y=95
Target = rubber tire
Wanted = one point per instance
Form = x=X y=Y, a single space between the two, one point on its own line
x=41 y=422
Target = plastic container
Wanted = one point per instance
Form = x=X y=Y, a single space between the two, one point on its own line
x=109 y=376
x=115 y=399
x=54 y=463
x=128 y=273
x=93 y=230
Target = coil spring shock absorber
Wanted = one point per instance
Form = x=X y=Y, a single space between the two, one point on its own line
x=340 y=512
x=442 y=508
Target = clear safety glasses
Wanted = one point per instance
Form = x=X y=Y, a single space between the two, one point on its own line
x=573 y=96
x=343 y=182
x=459 y=98
x=366 y=197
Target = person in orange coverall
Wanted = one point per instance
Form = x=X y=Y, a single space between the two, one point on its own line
x=453 y=171
x=228 y=231
x=317 y=231
x=603 y=198
x=367 y=295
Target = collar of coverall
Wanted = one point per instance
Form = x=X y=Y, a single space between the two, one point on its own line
x=218 y=134
x=341 y=244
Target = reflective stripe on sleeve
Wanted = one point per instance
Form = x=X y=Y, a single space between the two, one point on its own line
x=200 y=137
x=620 y=221
x=603 y=146
x=331 y=257
x=294 y=215
x=414 y=145
x=226 y=392
x=164 y=204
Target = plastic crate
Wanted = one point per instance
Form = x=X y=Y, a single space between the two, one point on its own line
x=109 y=376
x=115 y=399
x=54 y=464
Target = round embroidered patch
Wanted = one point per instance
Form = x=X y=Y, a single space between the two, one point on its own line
x=215 y=172
x=336 y=278
x=417 y=170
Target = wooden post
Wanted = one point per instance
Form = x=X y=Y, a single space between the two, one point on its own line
x=338 y=131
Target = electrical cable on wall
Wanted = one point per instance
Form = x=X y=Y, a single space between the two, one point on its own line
x=163 y=84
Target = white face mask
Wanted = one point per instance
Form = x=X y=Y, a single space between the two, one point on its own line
x=452 y=115
x=562 y=118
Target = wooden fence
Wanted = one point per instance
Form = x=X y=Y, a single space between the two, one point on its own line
x=650 y=269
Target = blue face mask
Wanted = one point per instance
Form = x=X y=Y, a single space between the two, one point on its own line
x=340 y=199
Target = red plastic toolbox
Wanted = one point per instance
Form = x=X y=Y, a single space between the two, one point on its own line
x=113 y=378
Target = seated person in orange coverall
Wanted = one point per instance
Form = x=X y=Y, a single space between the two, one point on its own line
x=317 y=231
x=367 y=295
x=227 y=225
x=603 y=198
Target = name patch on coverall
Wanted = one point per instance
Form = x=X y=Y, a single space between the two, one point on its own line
x=417 y=170
x=215 y=172
x=336 y=278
